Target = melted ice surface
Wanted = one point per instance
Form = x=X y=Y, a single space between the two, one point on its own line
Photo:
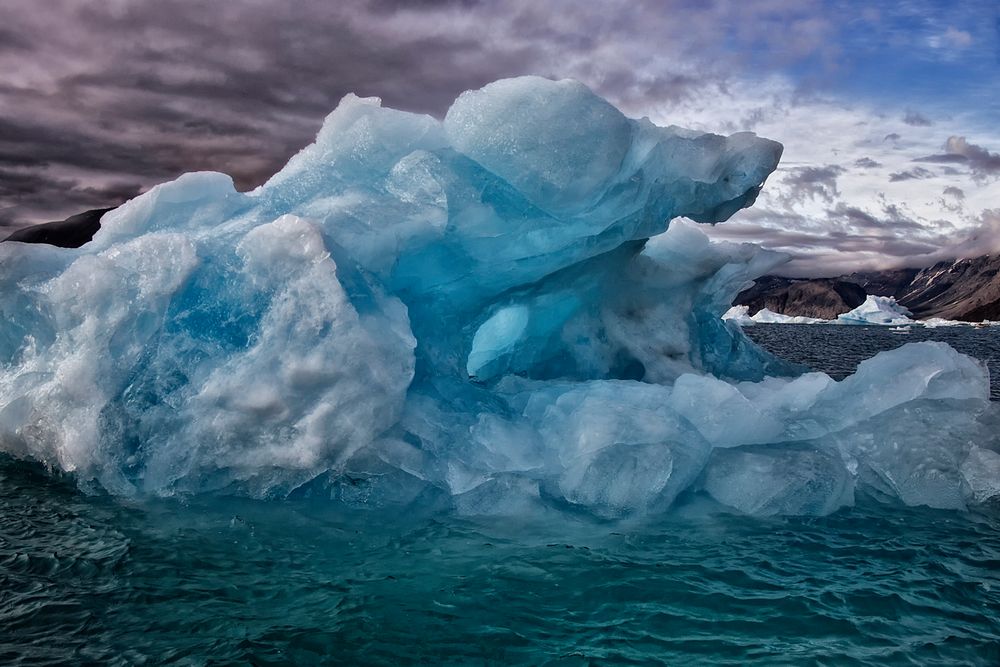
x=487 y=313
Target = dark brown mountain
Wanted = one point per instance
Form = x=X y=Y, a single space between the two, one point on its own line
x=963 y=289
x=891 y=282
x=72 y=232
x=824 y=298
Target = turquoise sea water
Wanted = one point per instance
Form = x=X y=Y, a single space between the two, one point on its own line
x=93 y=580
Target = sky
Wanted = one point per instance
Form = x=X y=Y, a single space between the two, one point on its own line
x=889 y=112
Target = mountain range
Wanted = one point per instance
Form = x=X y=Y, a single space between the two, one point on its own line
x=963 y=289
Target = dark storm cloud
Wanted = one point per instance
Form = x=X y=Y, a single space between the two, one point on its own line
x=139 y=91
x=146 y=91
x=959 y=151
x=811 y=182
x=101 y=100
x=33 y=190
x=943 y=158
x=847 y=240
x=910 y=174
x=980 y=159
x=858 y=221
x=957 y=193
x=11 y=40
x=855 y=216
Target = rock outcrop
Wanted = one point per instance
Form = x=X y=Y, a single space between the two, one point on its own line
x=72 y=232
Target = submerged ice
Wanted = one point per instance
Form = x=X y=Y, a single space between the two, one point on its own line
x=489 y=312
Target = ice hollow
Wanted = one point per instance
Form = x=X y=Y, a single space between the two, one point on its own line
x=492 y=313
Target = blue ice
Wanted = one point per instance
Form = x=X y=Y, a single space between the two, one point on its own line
x=502 y=309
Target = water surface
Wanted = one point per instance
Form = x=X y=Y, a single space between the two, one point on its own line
x=89 y=580
x=221 y=581
x=837 y=349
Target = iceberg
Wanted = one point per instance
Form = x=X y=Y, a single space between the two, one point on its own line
x=498 y=313
x=765 y=316
x=877 y=310
x=935 y=322
x=887 y=313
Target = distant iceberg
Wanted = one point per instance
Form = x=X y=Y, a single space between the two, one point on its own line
x=740 y=315
x=877 y=310
x=765 y=316
x=491 y=313
x=934 y=322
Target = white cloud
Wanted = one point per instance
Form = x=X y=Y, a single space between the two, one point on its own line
x=843 y=197
x=952 y=38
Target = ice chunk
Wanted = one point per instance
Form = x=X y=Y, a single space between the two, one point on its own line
x=97 y=320
x=721 y=413
x=877 y=310
x=515 y=133
x=896 y=460
x=903 y=425
x=765 y=481
x=155 y=381
x=981 y=473
x=319 y=380
x=935 y=322
x=619 y=448
x=570 y=153
x=499 y=336
x=503 y=494
x=740 y=315
x=928 y=369
x=193 y=202
x=812 y=405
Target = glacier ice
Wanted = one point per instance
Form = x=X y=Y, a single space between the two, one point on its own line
x=494 y=313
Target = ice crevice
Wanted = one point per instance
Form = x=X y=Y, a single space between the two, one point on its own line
x=501 y=312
